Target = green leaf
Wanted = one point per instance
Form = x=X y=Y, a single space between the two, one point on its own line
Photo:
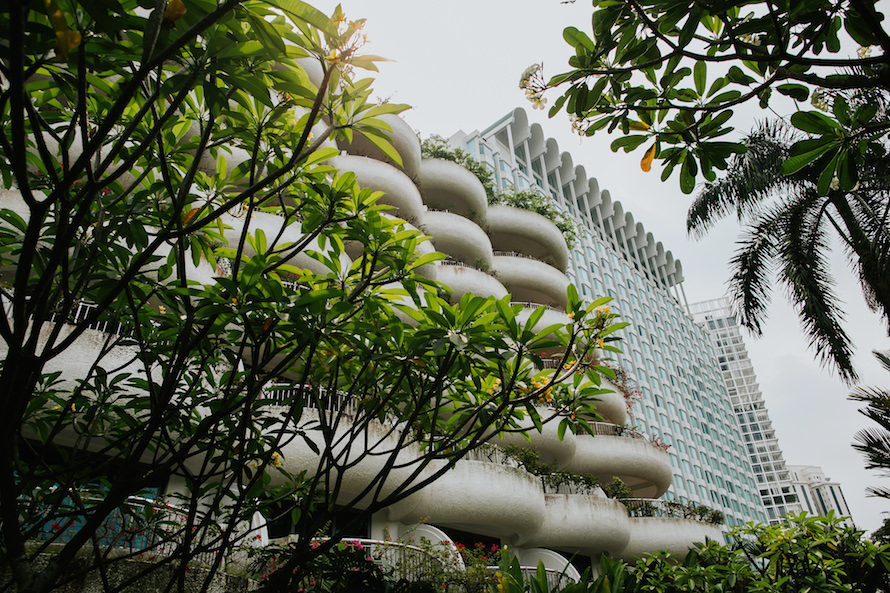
x=798 y=92
x=578 y=39
x=796 y=162
x=295 y=9
x=813 y=122
x=700 y=74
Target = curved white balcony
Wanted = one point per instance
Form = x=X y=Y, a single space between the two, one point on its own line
x=276 y=236
x=644 y=467
x=459 y=237
x=366 y=462
x=583 y=524
x=553 y=562
x=523 y=231
x=546 y=442
x=403 y=139
x=463 y=279
x=479 y=496
x=448 y=186
x=550 y=317
x=677 y=536
x=530 y=280
x=398 y=190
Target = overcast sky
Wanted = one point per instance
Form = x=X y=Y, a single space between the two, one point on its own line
x=458 y=63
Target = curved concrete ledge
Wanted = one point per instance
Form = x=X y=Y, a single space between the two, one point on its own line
x=398 y=190
x=546 y=442
x=459 y=237
x=645 y=468
x=486 y=498
x=276 y=237
x=582 y=524
x=403 y=139
x=363 y=469
x=523 y=231
x=448 y=186
x=464 y=279
x=550 y=316
x=530 y=280
x=612 y=406
x=651 y=534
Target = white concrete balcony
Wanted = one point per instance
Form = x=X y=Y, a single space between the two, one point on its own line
x=448 y=186
x=459 y=237
x=523 y=231
x=643 y=466
x=277 y=235
x=551 y=316
x=531 y=280
x=486 y=497
x=398 y=189
x=463 y=279
x=403 y=139
x=545 y=442
x=582 y=524
x=677 y=536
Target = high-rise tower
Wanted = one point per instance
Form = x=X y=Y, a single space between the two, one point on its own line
x=684 y=399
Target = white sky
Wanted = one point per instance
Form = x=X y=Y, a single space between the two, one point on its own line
x=458 y=64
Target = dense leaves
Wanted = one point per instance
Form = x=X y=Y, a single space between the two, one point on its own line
x=193 y=302
x=668 y=75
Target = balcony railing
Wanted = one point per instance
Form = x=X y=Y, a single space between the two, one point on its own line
x=141 y=525
x=493 y=454
x=515 y=254
x=672 y=509
x=83 y=310
x=318 y=397
x=616 y=430
x=528 y=305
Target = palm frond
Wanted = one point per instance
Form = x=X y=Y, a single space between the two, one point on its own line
x=752 y=178
x=804 y=272
x=750 y=287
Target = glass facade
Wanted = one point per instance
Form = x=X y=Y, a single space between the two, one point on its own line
x=684 y=400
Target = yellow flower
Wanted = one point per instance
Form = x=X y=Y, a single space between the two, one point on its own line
x=603 y=310
x=600 y=343
x=571 y=315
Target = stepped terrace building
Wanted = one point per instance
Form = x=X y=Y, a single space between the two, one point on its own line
x=494 y=251
x=684 y=400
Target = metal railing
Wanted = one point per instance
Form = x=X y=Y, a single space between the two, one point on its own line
x=317 y=397
x=83 y=310
x=529 y=305
x=616 y=430
x=141 y=525
x=493 y=454
x=672 y=509
x=557 y=580
x=516 y=254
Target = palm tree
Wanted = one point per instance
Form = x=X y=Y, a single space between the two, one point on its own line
x=788 y=233
x=874 y=442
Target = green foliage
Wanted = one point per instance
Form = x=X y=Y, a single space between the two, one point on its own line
x=874 y=442
x=543 y=205
x=550 y=474
x=617 y=489
x=437 y=147
x=810 y=554
x=140 y=148
x=668 y=76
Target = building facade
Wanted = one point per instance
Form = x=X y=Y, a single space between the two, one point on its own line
x=684 y=400
x=774 y=480
x=818 y=495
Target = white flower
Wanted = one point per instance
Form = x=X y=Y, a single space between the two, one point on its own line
x=864 y=52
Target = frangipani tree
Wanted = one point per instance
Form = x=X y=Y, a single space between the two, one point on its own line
x=194 y=303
